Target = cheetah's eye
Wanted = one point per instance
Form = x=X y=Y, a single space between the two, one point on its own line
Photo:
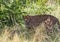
x=25 y=19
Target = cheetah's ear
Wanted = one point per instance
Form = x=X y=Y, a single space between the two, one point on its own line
x=26 y=17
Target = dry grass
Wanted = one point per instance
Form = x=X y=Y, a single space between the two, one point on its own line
x=39 y=36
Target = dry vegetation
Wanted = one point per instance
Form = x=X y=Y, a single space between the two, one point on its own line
x=40 y=35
